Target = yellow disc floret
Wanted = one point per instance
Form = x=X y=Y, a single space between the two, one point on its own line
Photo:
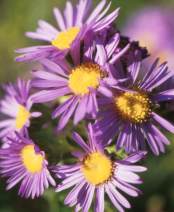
x=83 y=77
x=64 y=39
x=22 y=117
x=135 y=107
x=32 y=161
x=97 y=168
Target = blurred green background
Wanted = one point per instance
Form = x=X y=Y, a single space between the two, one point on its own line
x=18 y=16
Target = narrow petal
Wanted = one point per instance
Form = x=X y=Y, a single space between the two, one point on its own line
x=66 y=115
x=99 y=207
x=59 y=19
x=96 y=11
x=71 y=198
x=89 y=197
x=63 y=107
x=81 y=142
x=125 y=188
x=54 y=67
x=69 y=14
x=163 y=122
x=113 y=199
x=132 y=168
x=37 y=36
x=82 y=11
x=48 y=95
x=45 y=25
x=164 y=96
x=122 y=200
x=160 y=135
x=136 y=157
x=80 y=110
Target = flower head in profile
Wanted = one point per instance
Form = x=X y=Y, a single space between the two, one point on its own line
x=73 y=27
x=80 y=81
x=23 y=162
x=95 y=174
x=15 y=108
x=131 y=112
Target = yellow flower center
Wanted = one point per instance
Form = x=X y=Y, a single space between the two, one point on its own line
x=32 y=161
x=97 y=168
x=135 y=107
x=22 y=116
x=65 y=39
x=83 y=77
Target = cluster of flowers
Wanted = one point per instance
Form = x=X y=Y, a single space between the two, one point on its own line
x=100 y=74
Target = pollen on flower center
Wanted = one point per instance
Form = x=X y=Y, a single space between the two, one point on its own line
x=135 y=107
x=32 y=161
x=97 y=168
x=22 y=117
x=83 y=77
x=64 y=39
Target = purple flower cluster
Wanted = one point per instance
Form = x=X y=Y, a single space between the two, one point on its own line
x=96 y=75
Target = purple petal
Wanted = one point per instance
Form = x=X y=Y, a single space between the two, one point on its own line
x=127 y=189
x=163 y=122
x=151 y=140
x=49 y=95
x=82 y=11
x=41 y=83
x=55 y=68
x=81 y=142
x=96 y=12
x=71 y=198
x=89 y=196
x=69 y=14
x=37 y=36
x=59 y=19
x=80 y=110
x=106 y=21
x=160 y=135
x=60 y=109
x=105 y=91
x=113 y=199
x=99 y=199
x=112 y=45
x=136 y=157
x=69 y=182
x=164 y=96
x=46 y=26
x=122 y=200
x=66 y=115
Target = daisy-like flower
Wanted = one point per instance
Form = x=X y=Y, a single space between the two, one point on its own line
x=74 y=26
x=15 y=108
x=96 y=173
x=131 y=112
x=23 y=161
x=80 y=81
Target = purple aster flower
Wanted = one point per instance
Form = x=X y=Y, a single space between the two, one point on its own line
x=131 y=112
x=95 y=174
x=23 y=161
x=80 y=81
x=153 y=27
x=15 y=108
x=74 y=26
